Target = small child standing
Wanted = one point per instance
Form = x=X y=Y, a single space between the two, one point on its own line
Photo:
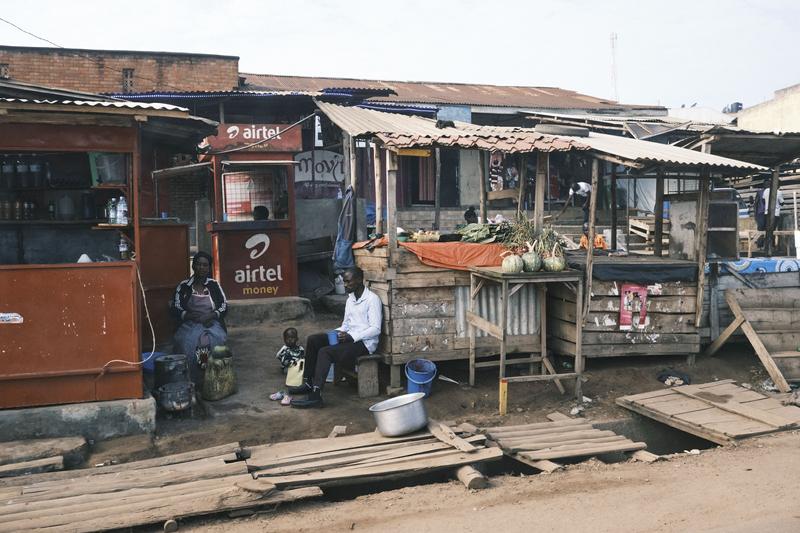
x=289 y=354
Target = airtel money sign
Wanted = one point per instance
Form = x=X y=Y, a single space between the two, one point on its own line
x=257 y=138
x=256 y=264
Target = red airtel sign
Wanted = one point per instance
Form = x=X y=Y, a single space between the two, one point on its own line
x=279 y=138
x=255 y=263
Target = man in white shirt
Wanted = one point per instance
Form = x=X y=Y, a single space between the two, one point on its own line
x=584 y=191
x=357 y=336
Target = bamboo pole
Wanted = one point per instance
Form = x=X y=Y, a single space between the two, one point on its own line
x=613 y=206
x=391 y=204
x=590 y=247
x=523 y=182
x=542 y=163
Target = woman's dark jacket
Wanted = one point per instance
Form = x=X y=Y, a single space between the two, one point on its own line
x=184 y=291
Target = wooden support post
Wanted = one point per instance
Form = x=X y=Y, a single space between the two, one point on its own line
x=773 y=199
x=351 y=141
x=503 y=396
x=701 y=242
x=391 y=205
x=437 y=204
x=659 y=214
x=482 y=210
x=590 y=248
x=348 y=171
x=376 y=158
x=523 y=183
x=503 y=325
x=613 y=206
x=542 y=163
x=471 y=329
x=471 y=478
x=578 y=363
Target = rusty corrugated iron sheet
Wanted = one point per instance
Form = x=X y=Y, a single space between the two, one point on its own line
x=402 y=131
x=446 y=93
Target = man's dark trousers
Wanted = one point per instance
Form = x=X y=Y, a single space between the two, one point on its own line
x=320 y=355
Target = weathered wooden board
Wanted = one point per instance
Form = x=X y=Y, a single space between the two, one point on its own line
x=403 y=327
x=672 y=288
x=427 y=294
x=565 y=347
x=566 y=331
x=445 y=278
x=721 y=412
x=610 y=304
x=608 y=321
x=73 y=449
x=428 y=309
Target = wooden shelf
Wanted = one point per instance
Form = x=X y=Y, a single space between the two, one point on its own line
x=118 y=186
x=105 y=225
x=47 y=222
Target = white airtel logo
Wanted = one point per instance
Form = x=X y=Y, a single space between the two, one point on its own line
x=232 y=132
x=257 y=244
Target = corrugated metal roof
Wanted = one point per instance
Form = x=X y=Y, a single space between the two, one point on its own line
x=400 y=131
x=178 y=95
x=446 y=93
x=656 y=153
x=94 y=103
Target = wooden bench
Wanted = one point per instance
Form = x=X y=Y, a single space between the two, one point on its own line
x=367 y=375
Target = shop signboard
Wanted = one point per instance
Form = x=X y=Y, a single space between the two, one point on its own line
x=319 y=166
x=230 y=136
x=256 y=263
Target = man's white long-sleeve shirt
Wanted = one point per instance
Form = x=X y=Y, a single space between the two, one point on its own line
x=362 y=318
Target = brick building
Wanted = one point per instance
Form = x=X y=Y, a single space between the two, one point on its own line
x=115 y=71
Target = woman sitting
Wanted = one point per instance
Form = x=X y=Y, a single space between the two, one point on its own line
x=200 y=305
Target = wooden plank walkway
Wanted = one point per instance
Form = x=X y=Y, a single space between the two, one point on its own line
x=721 y=412
x=538 y=444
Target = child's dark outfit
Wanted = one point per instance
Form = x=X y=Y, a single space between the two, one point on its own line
x=288 y=356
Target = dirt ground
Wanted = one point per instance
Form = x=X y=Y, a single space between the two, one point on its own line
x=733 y=489
x=752 y=487
x=251 y=418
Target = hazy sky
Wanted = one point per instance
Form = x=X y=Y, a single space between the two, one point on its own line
x=668 y=52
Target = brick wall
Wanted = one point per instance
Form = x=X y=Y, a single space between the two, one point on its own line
x=101 y=71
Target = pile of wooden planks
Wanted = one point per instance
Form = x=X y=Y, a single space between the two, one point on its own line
x=769 y=319
x=143 y=492
x=721 y=411
x=538 y=444
x=367 y=457
x=34 y=456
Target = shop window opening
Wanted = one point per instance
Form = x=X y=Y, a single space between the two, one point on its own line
x=256 y=195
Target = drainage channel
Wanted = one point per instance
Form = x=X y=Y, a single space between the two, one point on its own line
x=661 y=440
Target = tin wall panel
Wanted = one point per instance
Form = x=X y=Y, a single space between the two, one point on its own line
x=522 y=311
x=76 y=318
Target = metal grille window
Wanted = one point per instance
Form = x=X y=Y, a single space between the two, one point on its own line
x=5 y=71
x=247 y=193
x=127 y=80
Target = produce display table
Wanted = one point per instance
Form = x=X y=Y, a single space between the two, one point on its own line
x=509 y=284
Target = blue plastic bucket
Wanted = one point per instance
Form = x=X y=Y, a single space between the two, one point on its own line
x=149 y=365
x=420 y=374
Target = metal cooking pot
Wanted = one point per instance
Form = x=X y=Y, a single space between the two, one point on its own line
x=401 y=415
x=175 y=397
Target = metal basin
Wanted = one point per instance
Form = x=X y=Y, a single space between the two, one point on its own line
x=401 y=415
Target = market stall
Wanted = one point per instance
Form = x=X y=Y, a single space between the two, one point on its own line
x=253 y=233
x=72 y=249
x=426 y=298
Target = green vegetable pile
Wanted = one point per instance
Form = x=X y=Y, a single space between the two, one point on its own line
x=485 y=233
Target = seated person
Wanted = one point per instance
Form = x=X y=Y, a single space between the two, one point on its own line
x=357 y=336
x=200 y=305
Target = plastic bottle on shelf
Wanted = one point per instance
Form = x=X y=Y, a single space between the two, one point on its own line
x=112 y=211
x=122 y=211
x=123 y=249
x=22 y=173
x=51 y=210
